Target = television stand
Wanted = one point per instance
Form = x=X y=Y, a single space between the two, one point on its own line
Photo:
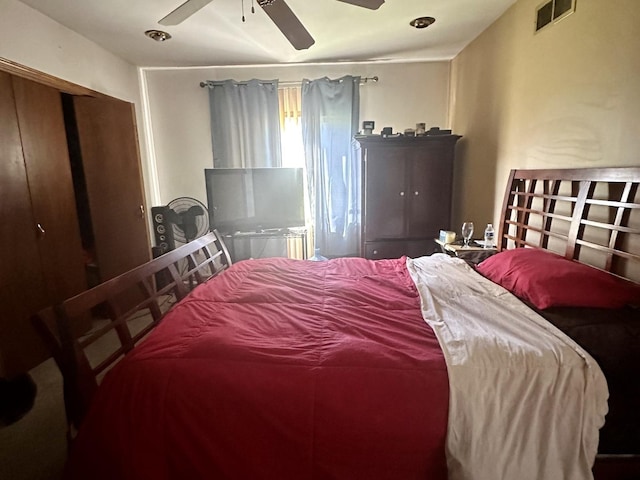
x=259 y=244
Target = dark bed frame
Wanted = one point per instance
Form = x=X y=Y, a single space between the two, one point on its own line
x=587 y=215
x=143 y=292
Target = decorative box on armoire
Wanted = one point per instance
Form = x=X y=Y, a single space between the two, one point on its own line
x=406 y=193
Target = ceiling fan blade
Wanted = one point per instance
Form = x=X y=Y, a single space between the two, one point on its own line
x=289 y=25
x=370 y=4
x=183 y=12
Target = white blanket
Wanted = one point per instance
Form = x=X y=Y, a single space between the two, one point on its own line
x=526 y=402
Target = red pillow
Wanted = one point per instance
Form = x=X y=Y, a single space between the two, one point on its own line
x=549 y=280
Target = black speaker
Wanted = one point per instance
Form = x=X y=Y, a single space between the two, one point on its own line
x=162 y=229
x=163 y=277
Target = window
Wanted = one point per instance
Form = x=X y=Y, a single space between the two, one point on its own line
x=290 y=99
x=291 y=126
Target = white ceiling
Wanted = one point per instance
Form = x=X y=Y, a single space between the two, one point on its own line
x=216 y=34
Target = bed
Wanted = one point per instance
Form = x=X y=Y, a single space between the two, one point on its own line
x=388 y=369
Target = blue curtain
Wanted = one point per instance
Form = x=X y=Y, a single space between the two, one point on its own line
x=245 y=124
x=330 y=111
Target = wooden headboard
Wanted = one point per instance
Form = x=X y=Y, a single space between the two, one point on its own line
x=591 y=215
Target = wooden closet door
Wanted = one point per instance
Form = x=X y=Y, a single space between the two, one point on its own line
x=46 y=157
x=111 y=162
x=21 y=281
x=43 y=266
x=19 y=260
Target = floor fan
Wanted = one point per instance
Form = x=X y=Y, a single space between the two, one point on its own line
x=189 y=219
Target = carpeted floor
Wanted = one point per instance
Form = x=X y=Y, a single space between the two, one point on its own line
x=35 y=447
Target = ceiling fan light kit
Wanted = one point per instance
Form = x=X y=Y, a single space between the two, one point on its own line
x=277 y=10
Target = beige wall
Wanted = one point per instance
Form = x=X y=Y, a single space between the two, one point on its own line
x=180 y=136
x=567 y=96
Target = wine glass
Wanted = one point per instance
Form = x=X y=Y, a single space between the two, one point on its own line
x=467 y=233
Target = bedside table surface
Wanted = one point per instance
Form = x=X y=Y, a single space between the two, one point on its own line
x=473 y=254
x=457 y=249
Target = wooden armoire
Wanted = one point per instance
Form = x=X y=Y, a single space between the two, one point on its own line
x=406 y=193
x=71 y=201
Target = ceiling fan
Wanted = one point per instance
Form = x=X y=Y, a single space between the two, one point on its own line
x=277 y=10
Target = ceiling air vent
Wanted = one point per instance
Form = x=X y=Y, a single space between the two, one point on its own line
x=553 y=11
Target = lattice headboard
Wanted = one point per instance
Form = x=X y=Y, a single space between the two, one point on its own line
x=591 y=215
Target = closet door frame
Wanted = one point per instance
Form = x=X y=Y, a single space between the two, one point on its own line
x=37 y=76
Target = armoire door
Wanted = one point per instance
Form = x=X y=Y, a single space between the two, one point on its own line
x=429 y=192
x=41 y=255
x=111 y=162
x=385 y=193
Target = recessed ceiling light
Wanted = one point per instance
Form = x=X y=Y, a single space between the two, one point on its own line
x=157 y=35
x=422 y=22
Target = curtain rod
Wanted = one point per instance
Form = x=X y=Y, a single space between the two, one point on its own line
x=288 y=83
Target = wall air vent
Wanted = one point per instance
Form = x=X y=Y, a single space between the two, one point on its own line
x=553 y=11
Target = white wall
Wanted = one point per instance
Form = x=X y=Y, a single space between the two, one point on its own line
x=34 y=40
x=179 y=110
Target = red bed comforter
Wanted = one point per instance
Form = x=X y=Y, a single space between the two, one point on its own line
x=278 y=369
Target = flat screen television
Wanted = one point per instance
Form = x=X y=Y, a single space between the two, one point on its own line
x=254 y=199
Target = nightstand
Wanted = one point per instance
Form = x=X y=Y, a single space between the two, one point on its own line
x=473 y=254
